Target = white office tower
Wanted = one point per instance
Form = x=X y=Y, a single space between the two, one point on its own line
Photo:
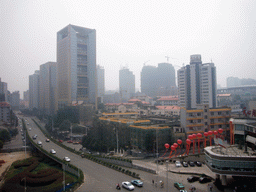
x=76 y=65
x=197 y=84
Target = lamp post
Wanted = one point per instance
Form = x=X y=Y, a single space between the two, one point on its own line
x=63 y=176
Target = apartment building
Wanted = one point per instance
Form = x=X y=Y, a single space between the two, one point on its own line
x=205 y=119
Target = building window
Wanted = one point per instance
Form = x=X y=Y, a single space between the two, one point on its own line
x=212 y=126
x=219 y=113
x=198 y=114
x=212 y=113
x=205 y=123
x=199 y=121
x=220 y=126
x=205 y=116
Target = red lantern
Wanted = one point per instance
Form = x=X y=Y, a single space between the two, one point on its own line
x=166 y=145
x=210 y=133
x=220 y=130
x=199 y=135
x=175 y=145
x=194 y=136
x=188 y=141
x=215 y=132
x=173 y=148
x=179 y=141
x=205 y=134
x=190 y=137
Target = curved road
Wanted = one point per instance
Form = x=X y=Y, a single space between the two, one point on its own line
x=100 y=178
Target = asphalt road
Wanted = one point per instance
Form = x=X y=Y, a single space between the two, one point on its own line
x=100 y=178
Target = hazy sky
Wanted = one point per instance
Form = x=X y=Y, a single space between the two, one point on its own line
x=130 y=33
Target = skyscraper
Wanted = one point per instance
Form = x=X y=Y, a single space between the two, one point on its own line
x=197 y=84
x=158 y=81
x=101 y=81
x=47 y=87
x=76 y=65
x=126 y=84
x=34 y=90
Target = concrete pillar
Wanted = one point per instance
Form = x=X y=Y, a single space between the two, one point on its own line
x=224 y=180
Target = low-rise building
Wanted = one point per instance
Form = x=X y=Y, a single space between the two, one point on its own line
x=167 y=100
x=204 y=119
x=230 y=161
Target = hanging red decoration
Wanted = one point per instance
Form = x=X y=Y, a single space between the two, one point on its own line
x=179 y=141
x=166 y=145
x=220 y=130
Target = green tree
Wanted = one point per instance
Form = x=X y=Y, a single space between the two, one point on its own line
x=65 y=125
x=1 y=144
x=67 y=113
x=5 y=135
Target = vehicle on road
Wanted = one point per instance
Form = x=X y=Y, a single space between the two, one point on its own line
x=70 y=141
x=52 y=151
x=29 y=129
x=198 y=163
x=127 y=185
x=137 y=182
x=183 y=190
x=177 y=164
x=185 y=164
x=47 y=140
x=67 y=159
x=179 y=185
x=204 y=179
x=193 y=179
x=191 y=163
x=35 y=136
x=39 y=143
x=60 y=141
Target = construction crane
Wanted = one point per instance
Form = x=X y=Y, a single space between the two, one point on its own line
x=145 y=62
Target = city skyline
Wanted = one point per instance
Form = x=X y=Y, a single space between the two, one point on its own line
x=143 y=33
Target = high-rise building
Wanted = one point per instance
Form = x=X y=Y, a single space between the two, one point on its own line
x=148 y=81
x=34 y=90
x=26 y=95
x=101 y=81
x=158 y=81
x=126 y=84
x=76 y=65
x=47 y=87
x=15 y=100
x=197 y=84
x=3 y=91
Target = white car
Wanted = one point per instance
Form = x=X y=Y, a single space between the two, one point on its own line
x=52 y=151
x=127 y=185
x=67 y=159
x=178 y=164
x=29 y=129
x=39 y=142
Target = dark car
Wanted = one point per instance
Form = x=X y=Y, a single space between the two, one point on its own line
x=137 y=182
x=191 y=163
x=204 y=179
x=185 y=164
x=198 y=163
x=193 y=179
